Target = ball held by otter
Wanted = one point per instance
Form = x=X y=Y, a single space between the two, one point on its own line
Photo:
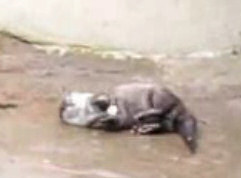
x=86 y=110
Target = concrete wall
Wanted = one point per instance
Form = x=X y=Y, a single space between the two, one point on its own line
x=153 y=26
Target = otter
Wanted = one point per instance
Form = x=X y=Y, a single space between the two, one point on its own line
x=144 y=108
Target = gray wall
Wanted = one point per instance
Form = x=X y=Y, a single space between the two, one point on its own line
x=152 y=26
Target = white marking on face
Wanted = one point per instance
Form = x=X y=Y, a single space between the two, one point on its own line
x=112 y=110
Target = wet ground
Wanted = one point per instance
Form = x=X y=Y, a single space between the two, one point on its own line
x=34 y=143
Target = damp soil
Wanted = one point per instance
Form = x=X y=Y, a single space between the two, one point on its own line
x=34 y=143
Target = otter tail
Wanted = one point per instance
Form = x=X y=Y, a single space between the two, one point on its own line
x=187 y=128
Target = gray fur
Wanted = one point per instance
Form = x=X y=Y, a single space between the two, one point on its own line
x=149 y=108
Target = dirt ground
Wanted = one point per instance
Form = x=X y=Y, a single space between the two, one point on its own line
x=34 y=143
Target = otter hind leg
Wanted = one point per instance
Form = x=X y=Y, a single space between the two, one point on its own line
x=149 y=129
